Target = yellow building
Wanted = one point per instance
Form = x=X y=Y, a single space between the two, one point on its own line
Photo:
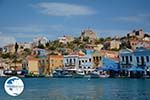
x=55 y=61
x=97 y=59
x=37 y=65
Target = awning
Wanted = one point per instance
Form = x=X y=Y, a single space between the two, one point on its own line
x=107 y=69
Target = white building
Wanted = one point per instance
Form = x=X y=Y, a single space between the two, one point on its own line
x=66 y=39
x=114 y=44
x=71 y=61
x=79 y=61
x=137 y=33
x=26 y=45
x=139 y=57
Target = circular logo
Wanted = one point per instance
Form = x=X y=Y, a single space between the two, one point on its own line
x=14 y=86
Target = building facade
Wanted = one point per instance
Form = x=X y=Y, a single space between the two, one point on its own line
x=114 y=44
x=55 y=61
x=139 y=58
x=71 y=61
x=137 y=33
x=97 y=59
x=38 y=62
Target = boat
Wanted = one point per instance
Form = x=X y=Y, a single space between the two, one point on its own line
x=97 y=74
x=10 y=72
x=68 y=73
x=78 y=74
x=60 y=73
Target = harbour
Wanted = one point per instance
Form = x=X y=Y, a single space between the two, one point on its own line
x=81 y=89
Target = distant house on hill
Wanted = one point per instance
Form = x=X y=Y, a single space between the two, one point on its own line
x=114 y=44
x=66 y=39
x=137 y=33
x=10 y=48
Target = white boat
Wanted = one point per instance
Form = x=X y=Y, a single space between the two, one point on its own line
x=97 y=74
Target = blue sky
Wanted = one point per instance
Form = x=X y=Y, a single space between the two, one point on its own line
x=22 y=20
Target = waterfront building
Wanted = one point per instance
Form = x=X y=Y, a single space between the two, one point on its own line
x=142 y=57
x=80 y=60
x=130 y=60
x=55 y=61
x=72 y=60
x=38 y=62
x=37 y=66
x=97 y=59
x=85 y=62
x=126 y=60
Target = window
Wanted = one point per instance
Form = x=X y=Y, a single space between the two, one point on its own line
x=90 y=60
x=147 y=58
x=74 y=60
x=122 y=58
x=67 y=60
x=70 y=61
x=100 y=58
x=131 y=58
x=137 y=59
x=137 y=33
x=97 y=58
x=127 y=59
x=94 y=58
x=79 y=62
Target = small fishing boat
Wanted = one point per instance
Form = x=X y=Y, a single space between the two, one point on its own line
x=97 y=74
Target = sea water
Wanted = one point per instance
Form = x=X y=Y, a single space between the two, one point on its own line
x=81 y=89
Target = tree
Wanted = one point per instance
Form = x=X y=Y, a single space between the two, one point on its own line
x=47 y=44
x=7 y=55
x=16 y=47
x=86 y=39
x=27 y=51
x=41 y=46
